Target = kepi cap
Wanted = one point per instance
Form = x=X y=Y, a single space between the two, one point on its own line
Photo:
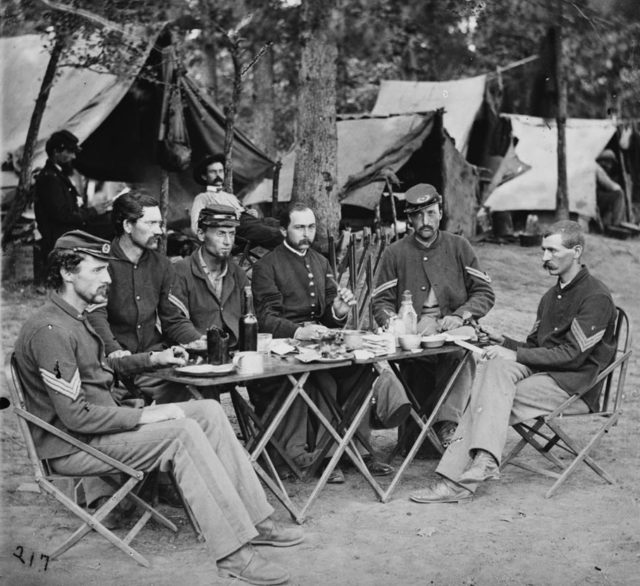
x=79 y=241
x=63 y=139
x=421 y=196
x=218 y=216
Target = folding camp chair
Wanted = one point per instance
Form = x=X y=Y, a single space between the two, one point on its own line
x=45 y=479
x=545 y=433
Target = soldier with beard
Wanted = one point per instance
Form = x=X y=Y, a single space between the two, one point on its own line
x=259 y=231
x=57 y=206
x=209 y=284
x=140 y=294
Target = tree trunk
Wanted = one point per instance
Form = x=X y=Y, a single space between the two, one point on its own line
x=20 y=200
x=211 y=53
x=316 y=170
x=230 y=114
x=562 y=193
x=264 y=104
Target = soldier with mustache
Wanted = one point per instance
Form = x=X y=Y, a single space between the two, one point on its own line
x=140 y=293
x=572 y=340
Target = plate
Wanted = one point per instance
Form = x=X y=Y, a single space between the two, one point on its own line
x=336 y=359
x=310 y=357
x=457 y=337
x=205 y=369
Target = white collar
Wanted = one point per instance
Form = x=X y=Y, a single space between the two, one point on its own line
x=302 y=254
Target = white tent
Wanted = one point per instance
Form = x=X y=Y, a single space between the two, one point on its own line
x=460 y=98
x=537 y=146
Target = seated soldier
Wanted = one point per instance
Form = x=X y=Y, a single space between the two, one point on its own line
x=448 y=288
x=296 y=297
x=209 y=284
x=68 y=383
x=571 y=341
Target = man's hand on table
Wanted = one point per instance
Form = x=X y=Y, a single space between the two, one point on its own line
x=310 y=332
x=174 y=356
x=451 y=322
x=492 y=352
x=157 y=413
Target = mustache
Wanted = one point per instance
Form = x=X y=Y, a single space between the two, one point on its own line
x=547 y=265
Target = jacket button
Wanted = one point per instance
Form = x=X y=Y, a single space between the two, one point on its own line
x=310 y=283
x=139 y=326
x=138 y=297
x=559 y=296
x=312 y=294
x=424 y=258
x=423 y=288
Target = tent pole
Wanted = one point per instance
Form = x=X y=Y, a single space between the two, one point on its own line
x=276 y=188
x=164 y=203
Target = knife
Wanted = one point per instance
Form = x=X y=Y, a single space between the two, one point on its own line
x=468 y=346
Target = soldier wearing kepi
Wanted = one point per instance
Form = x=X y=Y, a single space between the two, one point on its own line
x=209 y=284
x=69 y=382
x=572 y=340
x=448 y=289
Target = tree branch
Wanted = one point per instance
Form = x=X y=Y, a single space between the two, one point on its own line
x=96 y=19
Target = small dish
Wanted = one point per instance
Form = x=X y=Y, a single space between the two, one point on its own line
x=409 y=341
x=205 y=369
x=434 y=341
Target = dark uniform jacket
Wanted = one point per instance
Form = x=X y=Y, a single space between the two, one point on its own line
x=194 y=296
x=138 y=300
x=290 y=289
x=56 y=205
x=572 y=338
x=67 y=379
x=449 y=266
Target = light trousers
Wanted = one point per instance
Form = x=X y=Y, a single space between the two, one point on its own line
x=211 y=468
x=504 y=392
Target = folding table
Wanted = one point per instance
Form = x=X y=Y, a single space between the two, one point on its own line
x=341 y=432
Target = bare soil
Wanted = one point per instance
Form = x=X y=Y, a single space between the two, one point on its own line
x=589 y=533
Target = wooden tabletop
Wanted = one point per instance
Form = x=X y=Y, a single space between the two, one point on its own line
x=282 y=366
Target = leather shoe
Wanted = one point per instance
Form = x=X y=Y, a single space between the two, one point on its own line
x=445 y=432
x=442 y=491
x=376 y=467
x=484 y=467
x=272 y=533
x=248 y=565
x=336 y=476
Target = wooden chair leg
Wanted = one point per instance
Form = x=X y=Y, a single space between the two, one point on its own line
x=93 y=521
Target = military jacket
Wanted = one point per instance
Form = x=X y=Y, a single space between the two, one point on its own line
x=573 y=336
x=194 y=296
x=449 y=266
x=138 y=303
x=67 y=379
x=289 y=289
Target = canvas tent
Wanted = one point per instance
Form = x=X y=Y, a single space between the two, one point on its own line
x=537 y=147
x=415 y=147
x=117 y=119
x=461 y=100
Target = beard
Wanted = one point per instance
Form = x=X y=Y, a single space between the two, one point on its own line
x=67 y=168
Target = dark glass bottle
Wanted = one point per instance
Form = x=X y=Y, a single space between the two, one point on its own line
x=248 y=324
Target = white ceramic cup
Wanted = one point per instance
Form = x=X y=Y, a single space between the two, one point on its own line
x=249 y=362
x=264 y=343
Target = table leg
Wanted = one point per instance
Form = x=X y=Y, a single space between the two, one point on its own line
x=426 y=428
x=344 y=443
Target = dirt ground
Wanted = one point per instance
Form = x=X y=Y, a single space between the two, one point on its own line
x=588 y=533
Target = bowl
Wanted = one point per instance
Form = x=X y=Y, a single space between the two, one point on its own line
x=409 y=341
x=434 y=341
